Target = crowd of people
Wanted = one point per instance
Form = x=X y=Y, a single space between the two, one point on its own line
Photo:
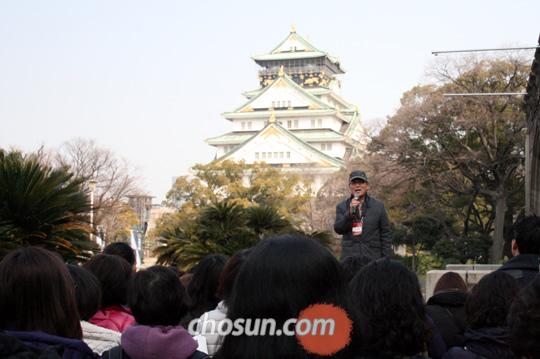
x=107 y=308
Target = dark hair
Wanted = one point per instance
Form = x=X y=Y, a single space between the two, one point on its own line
x=87 y=291
x=229 y=273
x=156 y=297
x=524 y=322
x=281 y=276
x=179 y=273
x=113 y=273
x=450 y=281
x=202 y=289
x=390 y=316
x=37 y=294
x=352 y=265
x=527 y=233
x=490 y=300
x=121 y=249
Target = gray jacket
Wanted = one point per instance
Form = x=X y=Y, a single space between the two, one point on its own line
x=376 y=238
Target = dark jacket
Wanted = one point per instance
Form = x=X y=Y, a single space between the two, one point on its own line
x=12 y=348
x=376 y=238
x=447 y=310
x=382 y=356
x=486 y=343
x=523 y=267
x=70 y=348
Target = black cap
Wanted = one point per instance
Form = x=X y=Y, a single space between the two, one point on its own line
x=357 y=175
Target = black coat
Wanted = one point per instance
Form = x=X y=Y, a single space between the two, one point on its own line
x=376 y=238
x=486 y=343
x=447 y=310
x=523 y=267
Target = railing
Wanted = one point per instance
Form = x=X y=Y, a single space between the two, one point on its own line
x=293 y=70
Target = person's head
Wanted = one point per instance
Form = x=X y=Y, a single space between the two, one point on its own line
x=281 y=276
x=450 y=281
x=87 y=291
x=389 y=310
x=123 y=250
x=527 y=236
x=229 y=273
x=37 y=294
x=524 y=322
x=113 y=273
x=202 y=289
x=490 y=300
x=358 y=183
x=352 y=265
x=156 y=297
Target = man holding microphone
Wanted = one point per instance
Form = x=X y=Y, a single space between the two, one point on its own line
x=363 y=222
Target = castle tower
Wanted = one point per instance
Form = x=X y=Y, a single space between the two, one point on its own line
x=296 y=120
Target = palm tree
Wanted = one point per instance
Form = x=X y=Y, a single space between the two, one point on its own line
x=225 y=227
x=44 y=206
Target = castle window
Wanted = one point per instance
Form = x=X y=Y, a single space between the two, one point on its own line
x=249 y=125
x=295 y=123
x=319 y=122
x=288 y=155
x=289 y=123
x=256 y=155
x=264 y=155
x=243 y=125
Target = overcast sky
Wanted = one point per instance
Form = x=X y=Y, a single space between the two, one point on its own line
x=149 y=79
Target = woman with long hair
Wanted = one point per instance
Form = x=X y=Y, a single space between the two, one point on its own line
x=390 y=318
x=282 y=276
x=37 y=302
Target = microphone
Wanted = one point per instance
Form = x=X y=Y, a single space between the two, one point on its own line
x=355 y=208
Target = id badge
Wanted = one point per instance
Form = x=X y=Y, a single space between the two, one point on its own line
x=357 y=228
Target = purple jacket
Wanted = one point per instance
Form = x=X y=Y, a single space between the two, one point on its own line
x=72 y=348
x=148 y=342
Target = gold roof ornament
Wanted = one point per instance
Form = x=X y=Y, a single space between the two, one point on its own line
x=281 y=72
x=293 y=29
x=272 y=118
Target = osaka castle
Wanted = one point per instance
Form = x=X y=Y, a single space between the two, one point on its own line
x=296 y=120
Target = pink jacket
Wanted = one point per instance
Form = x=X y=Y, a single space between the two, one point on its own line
x=115 y=317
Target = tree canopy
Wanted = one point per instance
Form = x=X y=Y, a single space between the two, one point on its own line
x=457 y=162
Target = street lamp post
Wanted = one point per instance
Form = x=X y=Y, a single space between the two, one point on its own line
x=92 y=187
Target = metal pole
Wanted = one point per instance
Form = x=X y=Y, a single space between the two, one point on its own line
x=485 y=50
x=486 y=94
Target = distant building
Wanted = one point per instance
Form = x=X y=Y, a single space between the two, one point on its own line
x=296 y=120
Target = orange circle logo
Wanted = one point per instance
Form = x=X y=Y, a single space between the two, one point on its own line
x=323 y=329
